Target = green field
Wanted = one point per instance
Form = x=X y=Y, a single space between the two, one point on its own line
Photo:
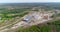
x=47 y=27
x=9 y=15
x=12 y=13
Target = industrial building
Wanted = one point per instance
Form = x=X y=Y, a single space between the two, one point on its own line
x=27 y=18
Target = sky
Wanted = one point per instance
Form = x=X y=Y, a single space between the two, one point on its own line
x=27 y=1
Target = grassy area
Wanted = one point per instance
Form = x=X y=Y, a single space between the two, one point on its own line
x=38 y=28
x=7 y=16
x=47 y=27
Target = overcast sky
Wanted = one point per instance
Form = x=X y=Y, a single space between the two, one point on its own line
x=27 y=1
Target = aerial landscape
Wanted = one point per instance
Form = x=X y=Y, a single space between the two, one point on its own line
x=30 y=17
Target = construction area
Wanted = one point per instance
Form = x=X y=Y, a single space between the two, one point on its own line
x=32 y=18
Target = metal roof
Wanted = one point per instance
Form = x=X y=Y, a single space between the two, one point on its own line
x=27 y=18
